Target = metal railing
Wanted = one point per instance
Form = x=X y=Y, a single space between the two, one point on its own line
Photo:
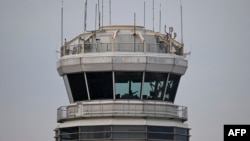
x=109 y=109
x=116 y=47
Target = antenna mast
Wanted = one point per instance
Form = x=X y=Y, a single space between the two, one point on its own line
x=134 y=29
x=102 y=13
x=181 y=22
x=62 y=24
x=109 y=12
x=95 y=14
x=166 y=13
x=160 y=20
x=85 y=17
x=99 y=15
x=144 y=13
x=153 y=15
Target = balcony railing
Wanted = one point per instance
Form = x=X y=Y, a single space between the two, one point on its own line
x=122 y=109
x=119 y=47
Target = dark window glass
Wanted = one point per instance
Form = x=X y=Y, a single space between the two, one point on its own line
x=100 y=85
x=160 y=136
x=64 y=140
x=154 y=85
x=78 y=86
x=128 y=128
x=69 y=130
x=69 y=136
x=172 y=86
x=95 y=128
x=129 y=135
x=69 y=133
x=128 y=85
x=181 y=131
x=181 y=138
x=161 y=129
x=101 y=135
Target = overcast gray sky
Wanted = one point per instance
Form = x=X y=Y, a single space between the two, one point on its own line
x=215 y=87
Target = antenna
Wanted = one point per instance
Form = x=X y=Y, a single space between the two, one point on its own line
x=181 y=22
x=160 y=20
x=166 y=12
x=153 y=15
x=95 y=14
x=85 y=17
x=144 y=13
x=165 y=29
x=109 y=12
x=134 y=29
x=134 y=21
x=62 y=24
x=102 y=13
x=99 y=15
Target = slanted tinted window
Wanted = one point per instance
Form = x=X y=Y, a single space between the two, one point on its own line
x=129 y=135
x=154 y=85
x=70 y=133
x=160 y=132
x=124 y=132
x=160 y=136
x=78 y=86
x=129 y=132
x=128 y=85
x=100 y=85
x=69 y=130
x=162 y=129
x=129 y=128
x=181 y=138
x=95 y=128
x=181 y=131
x=95 y=132
x=172 y=86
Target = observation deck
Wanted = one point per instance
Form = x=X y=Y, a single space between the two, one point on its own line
x=109 y=108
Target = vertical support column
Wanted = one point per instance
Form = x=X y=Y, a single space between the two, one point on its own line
x=170 y=45
x=166 y=86
x=113 y=40
x=145 y=47
x=112 y=44
x=87 y=85
x=66 y=82
x=113 y=80
x=83 y=47
x=65 y=48
x=142 y=88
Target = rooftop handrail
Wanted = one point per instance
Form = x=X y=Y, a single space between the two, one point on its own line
x=118 y=47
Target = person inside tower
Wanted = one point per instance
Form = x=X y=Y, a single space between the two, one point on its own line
x=156 y=90
x=130 y=95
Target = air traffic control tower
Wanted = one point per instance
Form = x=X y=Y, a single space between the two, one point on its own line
x=121 y=82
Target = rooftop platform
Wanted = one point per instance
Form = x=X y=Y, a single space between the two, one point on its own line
x=123 y=38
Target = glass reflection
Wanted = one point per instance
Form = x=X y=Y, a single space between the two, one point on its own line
x=128 y=85
x=172 y=86
x=154 y=85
